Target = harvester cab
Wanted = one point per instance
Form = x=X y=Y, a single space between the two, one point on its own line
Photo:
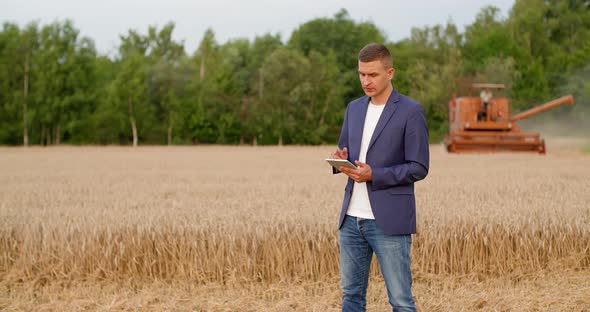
x=483 y=124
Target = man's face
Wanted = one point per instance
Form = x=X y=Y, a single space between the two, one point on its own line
x=375 y=77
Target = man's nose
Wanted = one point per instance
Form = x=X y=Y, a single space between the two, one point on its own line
x=365 y=81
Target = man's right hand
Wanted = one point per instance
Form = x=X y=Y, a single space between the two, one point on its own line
x=340 y=154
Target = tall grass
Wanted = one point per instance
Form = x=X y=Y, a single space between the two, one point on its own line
x=198 y=214
x=284 y=252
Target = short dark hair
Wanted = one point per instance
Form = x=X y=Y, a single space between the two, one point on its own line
x=376 y=52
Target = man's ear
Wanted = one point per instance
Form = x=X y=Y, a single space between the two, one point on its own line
x=391 y=73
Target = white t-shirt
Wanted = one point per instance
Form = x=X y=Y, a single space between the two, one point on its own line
x=485 y=95
x=359 y=205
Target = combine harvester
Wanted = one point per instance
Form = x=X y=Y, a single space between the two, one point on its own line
x=484 y=124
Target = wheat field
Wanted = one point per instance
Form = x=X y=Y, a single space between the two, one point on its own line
x=222 y=228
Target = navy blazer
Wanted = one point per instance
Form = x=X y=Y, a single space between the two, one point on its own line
x=398 y=155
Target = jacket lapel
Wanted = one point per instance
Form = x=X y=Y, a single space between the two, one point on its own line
x=357 y=127
x=388 y=110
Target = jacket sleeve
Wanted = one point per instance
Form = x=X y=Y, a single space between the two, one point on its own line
x=343 y=141
x=416 y=152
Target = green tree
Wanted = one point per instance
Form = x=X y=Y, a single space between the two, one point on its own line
x=129 y=89
x=339 y=35
x=253 y=104
x=202 y=87
x=60 y=76
x=285 y=76
x=433 y=85
x=55 y=88
x=16 y=49
x=326 y=112
x=430 y=68
x=165 y=76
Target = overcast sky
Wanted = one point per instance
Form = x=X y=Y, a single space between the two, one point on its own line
x=105 y=20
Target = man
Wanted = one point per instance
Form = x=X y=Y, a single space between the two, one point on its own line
x=385 y=135
x=486 y=97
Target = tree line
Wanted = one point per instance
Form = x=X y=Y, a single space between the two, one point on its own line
x=55 y=88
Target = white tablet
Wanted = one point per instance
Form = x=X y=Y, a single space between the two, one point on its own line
x=337 y=163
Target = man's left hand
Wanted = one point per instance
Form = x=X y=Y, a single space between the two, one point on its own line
x=362 y=173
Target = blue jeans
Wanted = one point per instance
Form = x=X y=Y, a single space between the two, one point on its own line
x=358 y=239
